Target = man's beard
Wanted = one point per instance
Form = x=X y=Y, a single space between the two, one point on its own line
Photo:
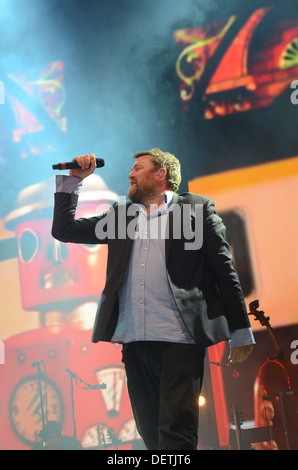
x=141 y=194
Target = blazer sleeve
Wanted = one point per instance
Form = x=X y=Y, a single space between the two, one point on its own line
x=67 y=228
x=220 y=262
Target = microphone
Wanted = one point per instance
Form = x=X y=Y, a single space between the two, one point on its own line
x=36 y=363
x=97 y=387
x=88 y=386
x=72 y=165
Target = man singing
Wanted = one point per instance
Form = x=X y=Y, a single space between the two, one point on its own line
x=171 y=291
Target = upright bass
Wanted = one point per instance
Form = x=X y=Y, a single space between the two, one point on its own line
x=279 y=380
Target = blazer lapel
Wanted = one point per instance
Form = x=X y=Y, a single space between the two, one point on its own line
x=170 y=227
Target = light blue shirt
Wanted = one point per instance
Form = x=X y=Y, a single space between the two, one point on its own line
x=147 y=309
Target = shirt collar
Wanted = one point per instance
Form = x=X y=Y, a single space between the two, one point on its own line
x=162 y=209
x=168 y=196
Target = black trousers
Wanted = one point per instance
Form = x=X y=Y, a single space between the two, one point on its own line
x=164 y=382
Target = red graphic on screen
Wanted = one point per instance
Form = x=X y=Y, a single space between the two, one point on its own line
x=244 y=77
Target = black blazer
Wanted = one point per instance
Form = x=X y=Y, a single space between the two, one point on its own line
x=204 y=282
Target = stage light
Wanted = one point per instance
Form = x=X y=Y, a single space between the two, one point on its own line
x=202 y=400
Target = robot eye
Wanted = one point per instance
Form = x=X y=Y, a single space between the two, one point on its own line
x=28 y=245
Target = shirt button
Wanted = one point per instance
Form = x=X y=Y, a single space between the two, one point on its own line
x=142 y=265
x=140 y=301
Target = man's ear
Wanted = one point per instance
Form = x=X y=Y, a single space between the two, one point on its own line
x=162 y=172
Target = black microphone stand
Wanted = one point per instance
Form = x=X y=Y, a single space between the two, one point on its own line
x=74 y=376
x=39 y=376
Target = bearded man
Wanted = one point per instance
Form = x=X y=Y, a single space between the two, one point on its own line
x=165 y=300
